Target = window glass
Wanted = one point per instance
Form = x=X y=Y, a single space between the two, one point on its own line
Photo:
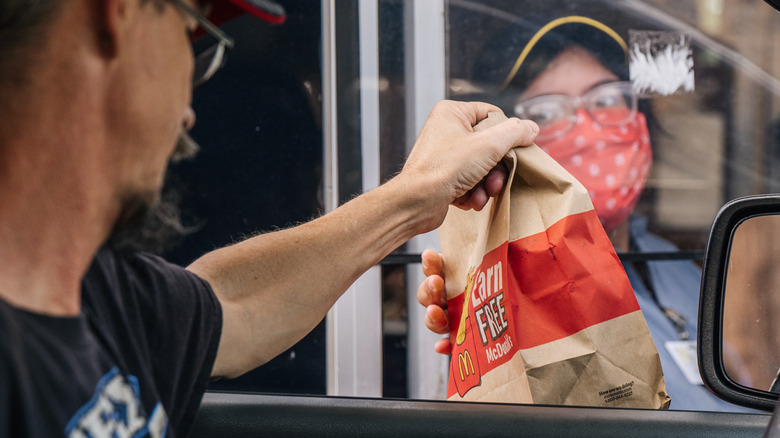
x=392 y=154
x=260 y=164
x=709 y=145
x=260 y=124
x=712 y=130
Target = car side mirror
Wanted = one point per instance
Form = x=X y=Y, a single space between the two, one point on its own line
x=739 y=306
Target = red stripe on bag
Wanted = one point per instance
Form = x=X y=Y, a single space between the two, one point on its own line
x=566 y=278
x=554 y=284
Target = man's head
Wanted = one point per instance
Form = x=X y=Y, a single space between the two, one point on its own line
x=117 y=77
x=148 y=220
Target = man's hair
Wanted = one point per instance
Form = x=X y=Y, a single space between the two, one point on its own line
x=150 y=227
x=23 y=26
x=153 y=225
x=21 y=21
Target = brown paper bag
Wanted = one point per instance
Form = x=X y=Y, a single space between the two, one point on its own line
x=541 y=310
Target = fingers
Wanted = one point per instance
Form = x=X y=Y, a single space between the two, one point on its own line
x=463 y=201
x=490 y=187
x=432 y=263
x=511 y=133
x=498 y=138
x=495 y=180
x=443 y=346
x=436 y=319
x=431 y=291
x=475 y=198
x=480 y=110
x=432 y=295
x=478 y=197
x=457 y=161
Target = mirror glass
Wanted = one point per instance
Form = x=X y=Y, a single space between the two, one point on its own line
x=751 y=308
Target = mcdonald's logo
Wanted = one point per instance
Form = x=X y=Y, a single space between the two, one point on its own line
x=465 y=365
x=466 y=374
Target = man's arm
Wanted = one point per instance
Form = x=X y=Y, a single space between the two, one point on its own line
x=276 y=287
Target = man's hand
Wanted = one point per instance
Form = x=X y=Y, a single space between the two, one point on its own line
x=489 y=187
x=431 y=295
x=458 y=166
x=467 y=170
x=275 y=287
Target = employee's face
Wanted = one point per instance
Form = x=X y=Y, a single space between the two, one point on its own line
x=611 y=160
x=573 y=72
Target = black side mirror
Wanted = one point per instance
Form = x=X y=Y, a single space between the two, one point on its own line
x=739 y=306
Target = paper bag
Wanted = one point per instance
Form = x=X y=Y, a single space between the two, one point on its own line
x=541 y=310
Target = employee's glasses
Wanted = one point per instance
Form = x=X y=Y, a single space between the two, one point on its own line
x=610 y=104
x=210 y=60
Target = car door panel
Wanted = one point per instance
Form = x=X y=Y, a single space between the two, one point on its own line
x=249 y=415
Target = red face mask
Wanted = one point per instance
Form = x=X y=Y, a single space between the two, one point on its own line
x=612 y=162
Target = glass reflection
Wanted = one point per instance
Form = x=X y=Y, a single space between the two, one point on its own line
x=751 y=315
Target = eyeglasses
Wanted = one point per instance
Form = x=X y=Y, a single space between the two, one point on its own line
x=210 y=60
x=610 y=104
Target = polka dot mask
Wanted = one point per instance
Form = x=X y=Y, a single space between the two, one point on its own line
x=612 y=162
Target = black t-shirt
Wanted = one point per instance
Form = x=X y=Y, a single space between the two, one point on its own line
x=135 y=362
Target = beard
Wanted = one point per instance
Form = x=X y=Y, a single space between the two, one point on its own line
x=148 y=225
x=151 y=221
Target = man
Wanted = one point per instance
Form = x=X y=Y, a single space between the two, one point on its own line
x=94 y=94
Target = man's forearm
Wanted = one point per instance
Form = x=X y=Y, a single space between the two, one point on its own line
x=276 y=287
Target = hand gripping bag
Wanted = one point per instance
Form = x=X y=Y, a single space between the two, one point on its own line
x=540 y=308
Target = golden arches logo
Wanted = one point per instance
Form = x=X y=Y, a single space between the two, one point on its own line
x=465 y=365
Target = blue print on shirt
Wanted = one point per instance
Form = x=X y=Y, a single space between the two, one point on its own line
x=115 y=411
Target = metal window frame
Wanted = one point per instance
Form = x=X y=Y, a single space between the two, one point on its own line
x=426 y=79
x=354 y=324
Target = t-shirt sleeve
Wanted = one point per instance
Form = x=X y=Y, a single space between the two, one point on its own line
x=174 y=320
